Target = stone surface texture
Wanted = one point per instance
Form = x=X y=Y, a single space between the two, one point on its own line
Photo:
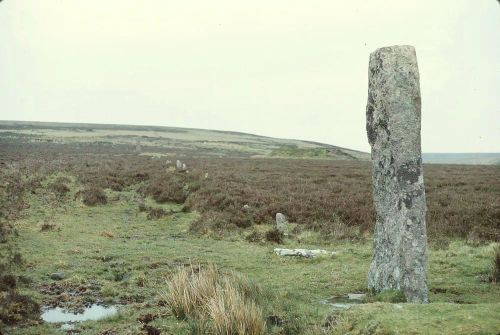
x=303 y=252
x=393 y=127
x=281 y=223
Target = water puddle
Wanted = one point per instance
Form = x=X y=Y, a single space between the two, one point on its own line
x=343 y=302
x=94 y=312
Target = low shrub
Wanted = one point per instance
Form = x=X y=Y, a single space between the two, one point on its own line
x=254 y=236
x=211 y=221
x=155 y=213
x=274 y=235
x=241 y=219
x=93 y=196
x=16 y=308
x=46 y=226
x=59 y=188
x=167 y=188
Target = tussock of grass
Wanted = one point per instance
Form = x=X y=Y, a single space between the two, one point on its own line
x=218 y=303
x=231 y=313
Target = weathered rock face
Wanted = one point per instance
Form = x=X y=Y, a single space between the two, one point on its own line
x=393 y=126
x=303 y=252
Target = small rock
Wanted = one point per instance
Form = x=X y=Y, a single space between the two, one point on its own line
x=57 y=276
x=246 y=207
x=281 y=223
x=356 y=296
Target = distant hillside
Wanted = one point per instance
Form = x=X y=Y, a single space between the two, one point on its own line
x=160 y=140
x=462 y=158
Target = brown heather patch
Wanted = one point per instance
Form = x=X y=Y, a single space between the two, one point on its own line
x=93 y=195
x=156 y=213
x=333 y=197
x=275 y=236
x=15 y=307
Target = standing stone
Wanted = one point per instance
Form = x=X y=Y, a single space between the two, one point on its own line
x=178 y=165
x=281 y=223
x=393 y=126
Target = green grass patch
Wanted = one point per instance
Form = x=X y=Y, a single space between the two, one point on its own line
x=130 y=259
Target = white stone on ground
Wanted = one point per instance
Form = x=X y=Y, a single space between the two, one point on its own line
x=303 y=252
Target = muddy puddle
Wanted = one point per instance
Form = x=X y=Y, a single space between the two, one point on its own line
x=343 y=302
x=67 y=319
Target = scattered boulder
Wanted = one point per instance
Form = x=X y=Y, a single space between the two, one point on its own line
x=57 y=276
x=356 y=296
x=281 y=223
x=178 y=165
x=303 y=252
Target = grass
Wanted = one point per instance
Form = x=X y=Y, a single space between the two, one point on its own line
x=150 y=252
x=127 y=250
x=435 y=318
x=220 y=303
x=153 y=139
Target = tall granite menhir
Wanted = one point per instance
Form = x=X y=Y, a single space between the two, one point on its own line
x=393 y=126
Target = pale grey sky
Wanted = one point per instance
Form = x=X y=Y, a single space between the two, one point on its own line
x=282 y=68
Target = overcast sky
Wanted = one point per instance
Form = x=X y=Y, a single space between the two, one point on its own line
x=291 y=69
